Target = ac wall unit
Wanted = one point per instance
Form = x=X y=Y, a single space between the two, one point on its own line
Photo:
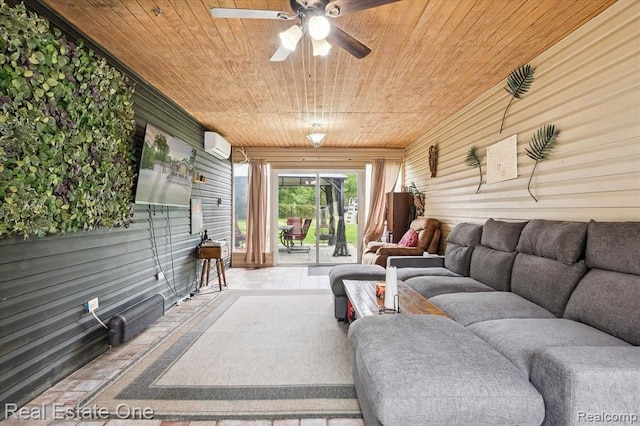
x=216 y=145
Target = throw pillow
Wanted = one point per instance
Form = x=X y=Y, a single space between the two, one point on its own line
x=409 y=239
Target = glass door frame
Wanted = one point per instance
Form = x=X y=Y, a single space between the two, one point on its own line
x=317 y=175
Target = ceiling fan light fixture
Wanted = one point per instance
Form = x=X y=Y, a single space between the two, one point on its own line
x=290 y=38
x=316 y=135
x=319 y=27
x=332 y=10
x=320 y=47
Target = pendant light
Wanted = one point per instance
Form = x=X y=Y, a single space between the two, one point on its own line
x=316 y=135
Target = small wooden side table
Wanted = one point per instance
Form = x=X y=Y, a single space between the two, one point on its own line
x=217 y=253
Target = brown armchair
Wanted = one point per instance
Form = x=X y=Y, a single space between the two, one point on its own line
x=428 y=231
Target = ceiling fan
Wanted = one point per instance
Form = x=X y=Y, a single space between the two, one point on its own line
x=312 y=16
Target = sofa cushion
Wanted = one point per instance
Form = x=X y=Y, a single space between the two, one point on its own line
x=409 y=239
x=429 y=286
x=339 y=273
x=561 y=241
x=614 y=246
x=573 y=381
x=520 y=339
x=460 y=244
x=415 y=368
x=547 y=282
x=469 y=308
x=608 y=301
x=503 y=236
x=405 y=273
x=492 y=267
x=549 y=262
x=492 y=260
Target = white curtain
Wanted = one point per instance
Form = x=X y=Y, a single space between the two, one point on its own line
x=384 y=175
x=257 y=212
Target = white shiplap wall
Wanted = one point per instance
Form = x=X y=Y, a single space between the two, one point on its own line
x=588 y=85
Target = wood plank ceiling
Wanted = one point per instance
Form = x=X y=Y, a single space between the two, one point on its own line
x=429 y=59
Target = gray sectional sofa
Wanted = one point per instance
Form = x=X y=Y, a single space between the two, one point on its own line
x=543 y=328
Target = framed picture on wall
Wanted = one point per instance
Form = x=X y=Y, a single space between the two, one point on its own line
x=502 y=160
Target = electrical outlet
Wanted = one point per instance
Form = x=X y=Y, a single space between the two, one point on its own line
x=160 y=275
x=92 y=305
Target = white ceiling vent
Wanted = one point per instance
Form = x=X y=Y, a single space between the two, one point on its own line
x=216 y=145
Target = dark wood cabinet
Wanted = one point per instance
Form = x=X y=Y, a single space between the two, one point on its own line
x=399 y=212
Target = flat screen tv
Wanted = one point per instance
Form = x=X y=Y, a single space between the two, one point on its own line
x=166 y=170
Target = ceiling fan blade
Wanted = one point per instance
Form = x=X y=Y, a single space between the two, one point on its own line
x=350 y=6
x=348 y=42
x=280 y=54
x=224 y=12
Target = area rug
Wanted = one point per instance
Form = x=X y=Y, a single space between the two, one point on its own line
x=249 y=355
x=318 y=270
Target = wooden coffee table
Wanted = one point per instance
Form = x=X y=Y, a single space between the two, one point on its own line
x=362 y=295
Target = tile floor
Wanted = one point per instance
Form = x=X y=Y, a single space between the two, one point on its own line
x=84 y=382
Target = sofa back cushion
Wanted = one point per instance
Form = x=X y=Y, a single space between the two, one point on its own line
x=492 y=260
x=614 y=246
x=607 y=297
x=549 y=262
x=503 y=236
x=460 y=244
x=561 y=241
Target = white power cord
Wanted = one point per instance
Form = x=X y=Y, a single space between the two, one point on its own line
x=98 y=319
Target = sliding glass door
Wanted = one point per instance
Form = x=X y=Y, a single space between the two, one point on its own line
x=317 y=217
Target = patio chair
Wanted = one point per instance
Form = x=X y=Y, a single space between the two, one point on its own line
x=299 y=234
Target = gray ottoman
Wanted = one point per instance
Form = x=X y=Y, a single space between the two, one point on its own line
x=339 y=273
x=427 y=369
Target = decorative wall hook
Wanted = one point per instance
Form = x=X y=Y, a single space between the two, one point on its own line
x=433 y=159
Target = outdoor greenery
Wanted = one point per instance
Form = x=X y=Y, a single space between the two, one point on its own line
x=299 y=201
x=66 y=121
x=159 y=152
x=351 y=233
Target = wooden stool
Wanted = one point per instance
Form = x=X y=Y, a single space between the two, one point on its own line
x=217 y=253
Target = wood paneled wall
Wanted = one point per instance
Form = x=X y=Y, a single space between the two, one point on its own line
x=45 y=333
x=588 y=85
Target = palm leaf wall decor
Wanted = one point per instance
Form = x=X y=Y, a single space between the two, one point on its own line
x=473 y=160
x=518 y=82
x=539 y=147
